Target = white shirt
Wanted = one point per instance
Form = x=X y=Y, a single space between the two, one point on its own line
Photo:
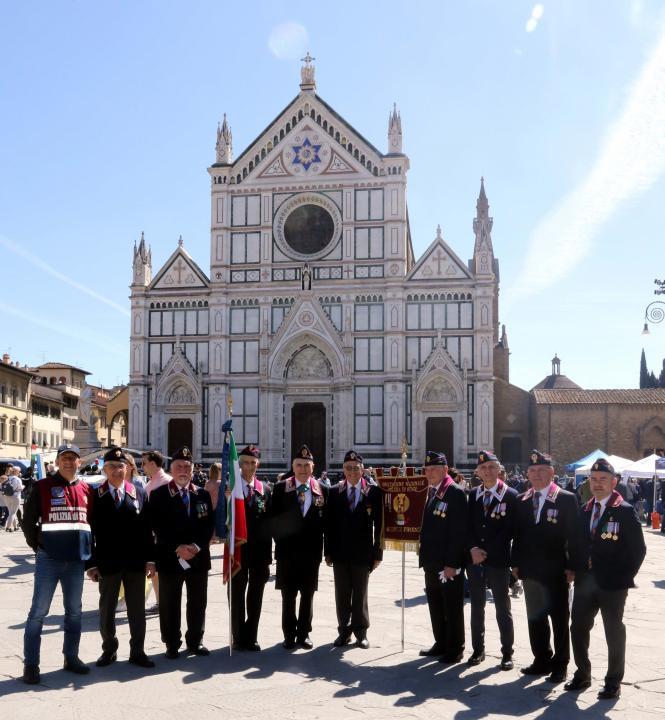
x=603 y=505
x=308 y=497
x=120 y=490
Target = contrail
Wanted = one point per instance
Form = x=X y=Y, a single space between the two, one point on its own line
x=37 y=262
x=630 y=161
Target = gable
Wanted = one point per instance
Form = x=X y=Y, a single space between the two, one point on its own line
x=179 y=271
x=439 y=262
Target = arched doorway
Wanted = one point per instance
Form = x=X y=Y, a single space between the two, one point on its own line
x=180 y=432
x=439 y=436
x=308 y=427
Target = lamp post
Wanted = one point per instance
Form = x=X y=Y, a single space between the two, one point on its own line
x=655 y=311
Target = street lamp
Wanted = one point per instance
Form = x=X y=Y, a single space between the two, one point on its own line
x=655 y=311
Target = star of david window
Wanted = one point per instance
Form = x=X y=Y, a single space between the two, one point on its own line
x=306 y=154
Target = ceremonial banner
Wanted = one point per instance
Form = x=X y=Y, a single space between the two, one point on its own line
x=404 y=498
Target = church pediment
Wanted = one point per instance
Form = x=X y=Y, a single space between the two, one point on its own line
x=178 y=383
x=439 y=381
x=180 y=272
x=439 y=262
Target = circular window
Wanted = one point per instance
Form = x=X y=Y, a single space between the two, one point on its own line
x=308 y=229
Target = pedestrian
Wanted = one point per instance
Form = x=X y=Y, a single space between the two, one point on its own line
x=353 y=547
x=182 y=520
x=56 y=527
x=11 y=488
x=122 y=553
x=298 y=522
x=248 y=583
x=614 y=550
x=546 y=553
x=443 y=545
x=491 y=519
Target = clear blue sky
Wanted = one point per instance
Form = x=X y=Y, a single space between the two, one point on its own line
x=109 y=113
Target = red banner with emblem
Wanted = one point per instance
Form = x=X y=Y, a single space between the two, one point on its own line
x=404 y=498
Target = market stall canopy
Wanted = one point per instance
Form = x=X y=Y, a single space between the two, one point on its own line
x=586 y=460
x=646 y=468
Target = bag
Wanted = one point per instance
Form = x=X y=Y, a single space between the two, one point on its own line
x=8 y=488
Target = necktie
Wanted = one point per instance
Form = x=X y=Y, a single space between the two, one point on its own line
x=595 y=518
x=352 y=497
x=249 y=494
x=487 y=501
x=301 y=490
x=430 y=493
x=536 y=505
x=185 y=499
x=117 y=497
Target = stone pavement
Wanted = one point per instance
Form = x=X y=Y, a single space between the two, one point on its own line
x=326 y=682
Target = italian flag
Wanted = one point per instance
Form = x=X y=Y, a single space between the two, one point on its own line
x=236 y=523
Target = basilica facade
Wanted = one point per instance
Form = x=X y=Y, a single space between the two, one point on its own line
x=315 y=317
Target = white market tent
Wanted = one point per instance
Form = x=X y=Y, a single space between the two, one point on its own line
x=618 y=463
x=647 y=467
x=586 y=460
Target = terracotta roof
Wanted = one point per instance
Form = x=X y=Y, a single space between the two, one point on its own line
x=652 y=396
x=55 y=365
x=556 y=382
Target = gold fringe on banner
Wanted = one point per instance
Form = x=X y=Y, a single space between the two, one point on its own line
x=399 y=544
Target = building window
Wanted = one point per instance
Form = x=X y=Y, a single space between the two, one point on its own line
x=148 y=416
x=280 y=309
x=439 y=316
x=470 y=414
x=3 y=394
x=368 y=353
x=12 y=430
x=14 y=397
x=245 y=415
x=3 y=429
x=334 y=312
x=246 y=210
x=244 y=356
x=245 y=248
x=159 y=355
x=368 y=415
x=418 y=349
x=369 y=204
x=244 y=320
x=369 y=243
x=368 y=316
x=179 y=322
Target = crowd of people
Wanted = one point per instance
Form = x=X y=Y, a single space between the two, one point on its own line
x=486 y=534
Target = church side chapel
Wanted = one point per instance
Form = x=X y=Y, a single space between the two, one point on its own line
x=315 y=316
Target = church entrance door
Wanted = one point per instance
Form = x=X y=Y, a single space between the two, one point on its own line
x=180 y=433
x=439 y=436
x=308 y=427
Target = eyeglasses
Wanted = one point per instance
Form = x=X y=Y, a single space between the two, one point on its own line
x=112 y=467
x=353 y=468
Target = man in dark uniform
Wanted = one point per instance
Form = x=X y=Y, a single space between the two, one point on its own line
x=122 y=554
x=298 y=523
x=248 y=583
x=546 y=553
x=491 y=517
x=353 y=547
x=443 y=547
x=181 y=517
x=614 y=550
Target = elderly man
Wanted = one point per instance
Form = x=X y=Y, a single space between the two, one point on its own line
x=614 y=550
x=443 y=546
x=182 y=520
x=546 y=554
x=353 y=547
x=122 y=554
x=491 y=516
x=298 y=523
x=56 y=527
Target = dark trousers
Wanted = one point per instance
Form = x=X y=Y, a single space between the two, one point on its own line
x=297 y=627
x=247 y=587
x=109 y=589
x=170 y=599
x=351 y=583
x=545 y=601
x=498 y=581
x=446 y=611
x=587 y=600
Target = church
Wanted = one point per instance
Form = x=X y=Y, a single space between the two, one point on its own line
x=315 y=317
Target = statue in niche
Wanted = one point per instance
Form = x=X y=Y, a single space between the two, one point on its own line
x=306 y=277
x=440 y=391
x=84 y=408
x=309 y=363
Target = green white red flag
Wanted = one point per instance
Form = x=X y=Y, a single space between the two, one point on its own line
x=236 y=523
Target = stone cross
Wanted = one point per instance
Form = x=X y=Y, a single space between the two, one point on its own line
x=179 y=267
x=439 y=257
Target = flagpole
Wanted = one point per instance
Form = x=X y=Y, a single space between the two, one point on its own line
x=229 y=405
x=405 y=451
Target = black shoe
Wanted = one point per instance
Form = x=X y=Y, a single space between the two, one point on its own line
x=507 y=662
x=476 y=658
x=610 y=692
x=172 y=653
x=199 y=650
x=535 y=669
x=306 y=643
x=289 y=643
x=75 y=665
x=31 y=674
x=557 y=676
x=252 y=647
x=342 y=640
x=434 y=651
x=362 y=643
x=106 y=658
x=142 y=661
x=451 y=659
x=577 y=684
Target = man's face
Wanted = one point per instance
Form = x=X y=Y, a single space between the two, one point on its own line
x=68 y=463
x=302 y=469
x=435 y=473
x=353 y=471
x=248 y=467
x=115 y=472
x=149 y=467
x=601 y=484
x=540 y=476
x=489 y=473
x=181 y=470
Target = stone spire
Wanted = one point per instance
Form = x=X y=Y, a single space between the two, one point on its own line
x=224 y=146
x=483 y=253
x=142 y=265
x=394 y=131
x=307 y=80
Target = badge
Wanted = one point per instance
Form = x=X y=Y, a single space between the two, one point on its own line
x=201 y=510
x=57 y=492
x=318 y=500
x=551 y=515
x=58 y=501
x=369 y=509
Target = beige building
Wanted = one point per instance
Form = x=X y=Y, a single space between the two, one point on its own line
x=46 y=405
x=14 y=410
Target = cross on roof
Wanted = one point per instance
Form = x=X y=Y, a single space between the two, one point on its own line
x=179 y=267
x=308 y=58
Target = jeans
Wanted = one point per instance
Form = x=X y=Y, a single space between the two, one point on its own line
x=48 y=573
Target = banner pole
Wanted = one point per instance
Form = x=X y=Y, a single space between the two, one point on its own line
x=403 y=588
x=230 y=607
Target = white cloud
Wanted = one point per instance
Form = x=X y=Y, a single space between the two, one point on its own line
x=536 y=13
x=630 y=161
x=288 y=40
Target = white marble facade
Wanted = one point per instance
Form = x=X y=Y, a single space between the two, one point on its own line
x=315 y=316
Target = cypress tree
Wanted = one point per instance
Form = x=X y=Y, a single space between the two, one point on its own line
x=644 y=373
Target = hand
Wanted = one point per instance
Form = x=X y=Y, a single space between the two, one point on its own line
x=150 y=569
x=184 y=552
x=515 y=572
x=449 y=573
x=375 y=565
x=94 y=574
x=328 y=560
x=570 y=576
x=478 y=555
x=227 y=492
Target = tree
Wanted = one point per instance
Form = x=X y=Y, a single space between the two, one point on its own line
x=661 y=379
x=653 y=381
x=644 y=372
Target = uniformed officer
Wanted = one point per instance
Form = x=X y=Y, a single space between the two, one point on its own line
x=614 y=551
x=298 y=523
x=353 y=547
x=491 y=515
x=248 y=584
x=443 y=546
x=56 y=526
x=182 y=519
x=122 y=554
x=546 y=553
